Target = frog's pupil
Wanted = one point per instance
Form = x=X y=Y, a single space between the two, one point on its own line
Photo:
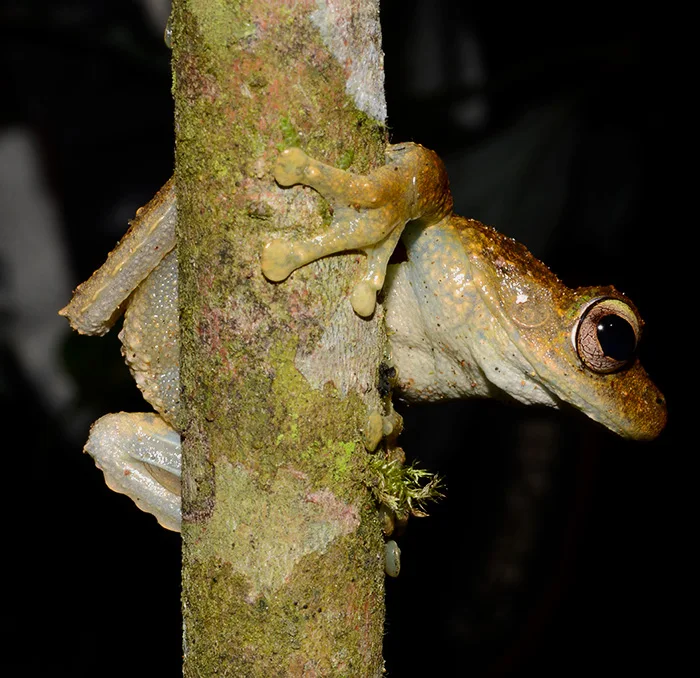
x=616 y=337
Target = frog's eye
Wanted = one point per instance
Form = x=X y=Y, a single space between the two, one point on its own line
x=607 y=334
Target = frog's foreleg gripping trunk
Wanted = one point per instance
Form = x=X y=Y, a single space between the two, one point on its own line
x=369 y=212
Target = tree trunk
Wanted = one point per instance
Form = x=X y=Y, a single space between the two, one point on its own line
x=282 y=547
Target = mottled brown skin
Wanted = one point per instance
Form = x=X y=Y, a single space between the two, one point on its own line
x=370 y=212
x=506 y=266
x=472 y=313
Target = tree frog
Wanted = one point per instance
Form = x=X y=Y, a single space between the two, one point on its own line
x=470 y=313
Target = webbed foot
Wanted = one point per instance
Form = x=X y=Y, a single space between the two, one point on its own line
x=140 y=456
x=369 y=212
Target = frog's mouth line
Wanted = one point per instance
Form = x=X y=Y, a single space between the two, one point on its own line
x=582 y=406
x=622 y=425
x=646 y=424
x=573 y=400
x=603 y=423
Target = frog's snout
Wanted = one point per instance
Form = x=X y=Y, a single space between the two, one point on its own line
x=651 y=426
x=645 y=416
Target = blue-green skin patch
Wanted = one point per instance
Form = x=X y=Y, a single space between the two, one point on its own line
x=471 y=313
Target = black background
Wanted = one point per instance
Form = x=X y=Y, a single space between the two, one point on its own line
x=581 y=575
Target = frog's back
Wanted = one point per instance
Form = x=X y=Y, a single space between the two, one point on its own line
x=485 y=244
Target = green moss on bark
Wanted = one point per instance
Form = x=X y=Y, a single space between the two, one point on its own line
x=282 y=549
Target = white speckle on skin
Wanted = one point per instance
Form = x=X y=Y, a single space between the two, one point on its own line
x=521 y=298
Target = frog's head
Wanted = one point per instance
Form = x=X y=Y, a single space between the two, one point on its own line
x=600 y=334
x=582 y=344
x=578 y=345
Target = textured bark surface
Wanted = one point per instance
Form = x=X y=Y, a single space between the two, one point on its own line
x=282 y=549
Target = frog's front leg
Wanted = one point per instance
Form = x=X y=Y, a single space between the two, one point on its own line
x=369 y=212
x=140 y=456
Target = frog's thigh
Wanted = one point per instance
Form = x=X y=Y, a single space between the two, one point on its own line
x=140 y=456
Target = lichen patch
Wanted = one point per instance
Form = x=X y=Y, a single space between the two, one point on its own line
x=268 y=530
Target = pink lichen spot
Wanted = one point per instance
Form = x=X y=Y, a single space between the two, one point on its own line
x=335 y=510
x=296 y=473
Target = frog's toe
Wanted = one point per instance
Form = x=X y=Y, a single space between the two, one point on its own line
x=392 y=558
x=140 y=456
x=290 y=166
x=364 y=299
x=279 y=259
x=373 y=431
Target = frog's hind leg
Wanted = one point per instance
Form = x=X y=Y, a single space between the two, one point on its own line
x=151 y=339
x=99 y=301
x=140 y=456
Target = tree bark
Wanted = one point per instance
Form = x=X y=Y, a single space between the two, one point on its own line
x=282 y=547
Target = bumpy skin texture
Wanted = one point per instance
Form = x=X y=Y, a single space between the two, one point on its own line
x=98 y=302
x=471 y=313
x=150 y=339
x=139 y=453
x=475 y=314
x=370 y=212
